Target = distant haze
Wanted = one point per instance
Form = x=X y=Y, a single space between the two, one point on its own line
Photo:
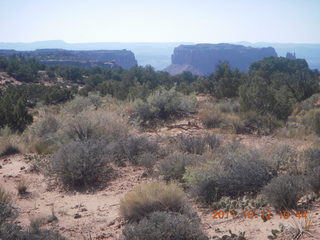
x=212 y=21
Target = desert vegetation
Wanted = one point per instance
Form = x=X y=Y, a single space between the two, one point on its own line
x=199 y=142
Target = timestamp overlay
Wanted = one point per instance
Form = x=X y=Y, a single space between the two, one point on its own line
x=258 y=214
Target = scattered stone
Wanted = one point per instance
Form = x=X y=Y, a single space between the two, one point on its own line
x=111 y=223
x=22 y=168
x=52 y=219
x=77 y=215
x=83 y=209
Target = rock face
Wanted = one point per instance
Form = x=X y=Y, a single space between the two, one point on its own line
x=87 y=59
x=202 y=59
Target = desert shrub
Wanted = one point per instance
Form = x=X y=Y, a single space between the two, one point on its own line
x=131 y=149
x=77 y=105
x=46 y=127
x=311 y=120
x=174 y=166
x=260 y=124
x=81 y=164
x=197 y=144
x=223 y=115
x=314 y=180
x=9 y=149
x=94 y=124
x=6 y=209
x=211 y=118
x=11 y=231
x=147 y=198
x=147 y=160
x=232 y=174
x=283 y=158
x=311 y=158
x=165 y=226
x=283 y=192
x=164 y=104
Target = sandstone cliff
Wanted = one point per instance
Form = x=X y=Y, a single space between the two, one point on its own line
x=88 y=59
x=202 y=59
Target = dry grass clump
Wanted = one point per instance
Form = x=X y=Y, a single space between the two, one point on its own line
x=9 y=143
x=147 y=198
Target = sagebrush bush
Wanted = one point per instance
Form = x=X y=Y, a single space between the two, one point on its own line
x=147 y=198
x=164 y=104
x=283 y=158
x=314 y=180
x=221 y=115
x=81 y=164
x=197 y=144
x=79 y=104
x=131 y=149
x=284 y=191
x=10 y=231
x=45 y=127
x=311 y=158
x=260 y=124
x=94 y=124
x=232 y=174
x=165 y=226
x=174 y=166
x=6 y=209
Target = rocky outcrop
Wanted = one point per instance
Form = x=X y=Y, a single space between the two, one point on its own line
x=87 y=59
x=202 y=59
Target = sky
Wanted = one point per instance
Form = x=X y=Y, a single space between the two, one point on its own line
x=74 y=21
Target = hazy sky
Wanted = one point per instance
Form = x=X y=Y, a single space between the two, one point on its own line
x=160 y=21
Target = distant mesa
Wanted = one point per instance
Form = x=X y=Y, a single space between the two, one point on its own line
x=202 y=59
x=86 y=59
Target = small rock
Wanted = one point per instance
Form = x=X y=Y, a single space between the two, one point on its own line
x=77 y=215
x=0 y=166
x=22 y=168
x=111 y=223
x=83 y=209
x=52 y=219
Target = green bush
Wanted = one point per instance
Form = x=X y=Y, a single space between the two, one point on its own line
x=147 y=198
x=174 y=166
x=235 y=173
x=81 y=164
x=165 y=226
x=283 y=192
